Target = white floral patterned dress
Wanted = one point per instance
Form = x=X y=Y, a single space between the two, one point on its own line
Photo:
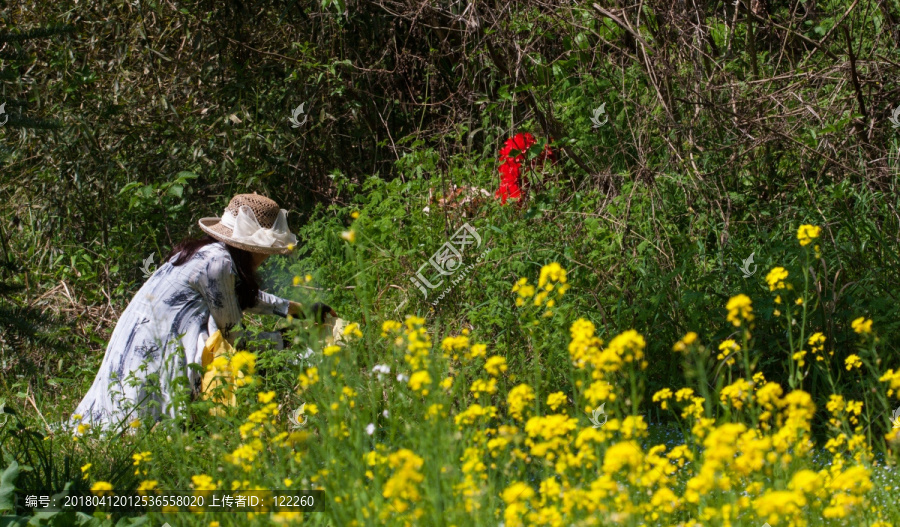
x=163 y=329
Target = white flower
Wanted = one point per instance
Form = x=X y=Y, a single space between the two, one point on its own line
x=370 y=428
x=381 y=369
x=402 y=378
x=385 y=413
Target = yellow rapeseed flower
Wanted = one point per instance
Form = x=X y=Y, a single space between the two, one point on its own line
x=805 y=481
x=662 y=397
x=352 y=329
x=451 y=346
x=480 y=386
x=728 y=348
x=555 y=400
x=853 y=361
x=203 y=482
x=862 y=325
x=776 y=278
x=495 y=365
x=402 y=488
x=146 y=485
x=892 y=377
x=243 y=365
x=141 y=457
x=102 y=488
x=552 y=273
x=740 y=309
x=737 y=393
x=597 y=392
x=390 y=326
x=517 y=491
x=684 y=394
x=685 y=342
x=629 y=346
x=310 y=377
x=478 y=350
x=518 y=399
x=419 y=381
x=474 y=412
x=807 y=234
x=817 y=342
x=524 y=291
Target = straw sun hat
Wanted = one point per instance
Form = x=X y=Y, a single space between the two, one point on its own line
x=253 y=223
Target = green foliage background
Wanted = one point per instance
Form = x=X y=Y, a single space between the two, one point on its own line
x=723 y=136
x=728 y=127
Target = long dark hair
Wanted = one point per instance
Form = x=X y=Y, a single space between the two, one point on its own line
x=247 y=284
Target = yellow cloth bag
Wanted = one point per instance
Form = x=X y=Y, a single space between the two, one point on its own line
x=218 y=370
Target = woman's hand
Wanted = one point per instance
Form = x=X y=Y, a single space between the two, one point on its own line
x=295 y=310
x=319 y=310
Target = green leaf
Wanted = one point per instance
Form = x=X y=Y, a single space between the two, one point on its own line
x=128 y=187
x=8 y=486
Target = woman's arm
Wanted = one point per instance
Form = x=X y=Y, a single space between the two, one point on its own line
x=318 y=310
x=216 y=286
x=267 y=304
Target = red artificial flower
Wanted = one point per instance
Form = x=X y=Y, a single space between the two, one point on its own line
x=509 y=170
x=520 y=143
x=510 y=167
x=508 y=190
